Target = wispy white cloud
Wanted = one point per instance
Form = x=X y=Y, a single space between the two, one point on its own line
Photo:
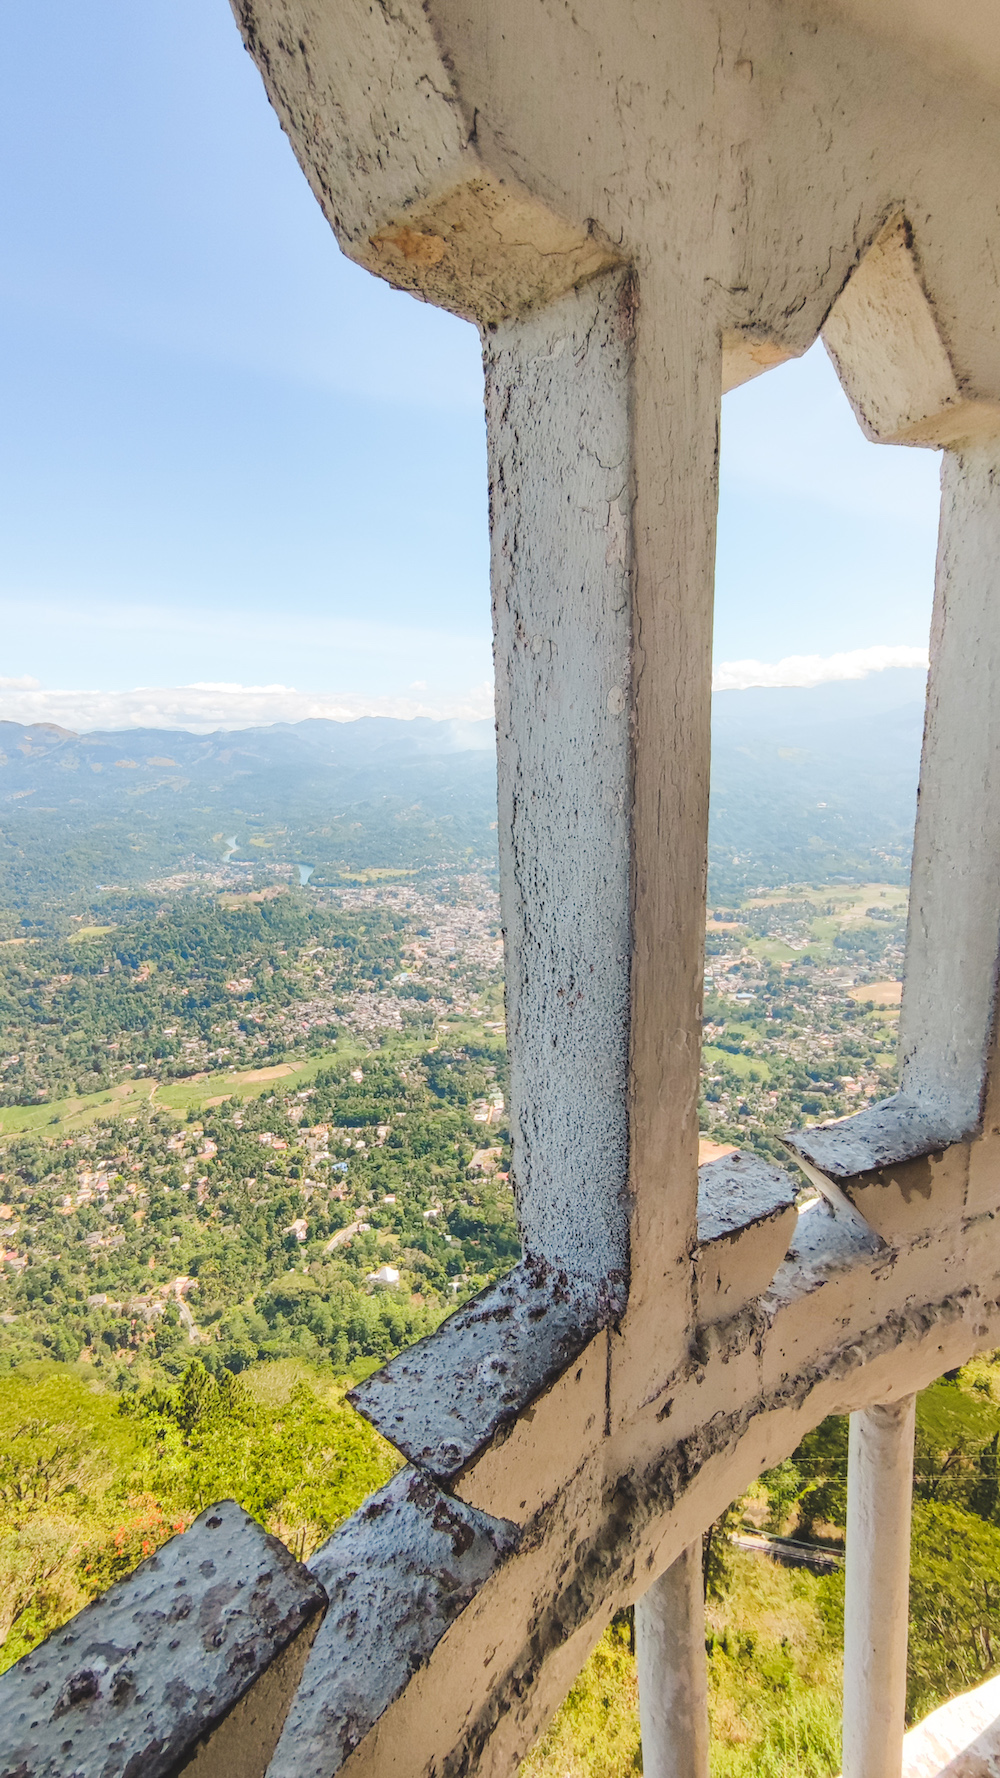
x=208 y=705
x=814 y=669
x=204 y=707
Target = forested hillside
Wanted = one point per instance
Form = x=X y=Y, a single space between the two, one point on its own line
x=81 y=812
x=173 y=983
x=814 y=785
x=91 y=1482
x=807 y=785
x=253 y=1230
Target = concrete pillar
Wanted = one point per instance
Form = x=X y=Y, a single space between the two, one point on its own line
x=953 y=943
x=602 y=425
x=557 y=403
x=673 y=1683
x=876 y=1608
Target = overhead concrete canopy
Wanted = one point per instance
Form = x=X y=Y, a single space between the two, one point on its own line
x=963 y=34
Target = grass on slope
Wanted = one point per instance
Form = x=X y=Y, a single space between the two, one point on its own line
x=774 y=1675
x=91 y=1482
x=195 y=1093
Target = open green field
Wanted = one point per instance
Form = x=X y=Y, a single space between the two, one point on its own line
x=716 y=1058
x=194 y=1093
x=849 y=903
x=850 y=900
x=208 y=1089
x=198 y=1092
x=73 y=1114
x=774 y=950
x=374 y=875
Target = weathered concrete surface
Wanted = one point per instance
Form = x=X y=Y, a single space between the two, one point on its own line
x=886 y=345
x=822 y=1244
x=398 y=1575
x=828 y=1337
x=876 y=1601
x=847 y=1322
x=759 y=149
x=191 y=1662
x=603 y=829
x=739 y=1192
x=914 y=1198
x=982 y=1197
x=953 y=41
x=946 y=1026
x=894 y=1166
x=514 y=1476
x=675 y=401
x=746 y=1220
x=557 y=393
x=391 y=155
x=888 y=1134
x=961 y=1739
x=446 y=1397
x=673 y=1679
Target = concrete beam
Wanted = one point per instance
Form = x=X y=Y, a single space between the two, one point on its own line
x=379 y=126
x=558 y=395
x=603 y=779
x=746 y=1220
x=399 y=1574
x=889 y=1134
x=885 y=341
x=842 y=1328
x=948 y=1014
x=444 y=1399
x=468 y=1403
x=191 y=1662
x=675 y=420
x=893 y=1164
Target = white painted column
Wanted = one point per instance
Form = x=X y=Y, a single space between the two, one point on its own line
x=876 y=1608
x=673 y=1681
x=602 y=427
x=557 y=403
x=953 y=942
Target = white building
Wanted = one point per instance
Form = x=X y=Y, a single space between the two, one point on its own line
x=386 y=1278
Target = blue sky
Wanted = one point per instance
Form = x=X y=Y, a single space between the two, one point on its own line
x=229 y=456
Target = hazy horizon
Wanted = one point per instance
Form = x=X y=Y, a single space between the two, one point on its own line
x=883 y=687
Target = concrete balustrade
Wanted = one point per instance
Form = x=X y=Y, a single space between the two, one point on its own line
x=638 y=206
x=191 y=1663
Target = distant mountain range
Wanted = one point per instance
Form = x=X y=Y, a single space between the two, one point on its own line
x=811 y=784
x=805 y=785
x=334 y=764
x=78 y=812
